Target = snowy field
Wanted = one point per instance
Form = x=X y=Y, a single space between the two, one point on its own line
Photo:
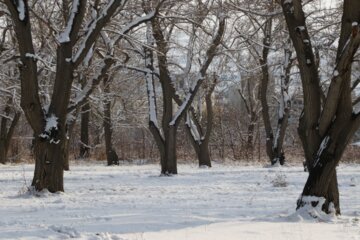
x=132 y=202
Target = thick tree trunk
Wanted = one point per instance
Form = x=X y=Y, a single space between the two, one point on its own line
x=51 y=147
x=325 y=129
x=204 y=155
x=201 y=146
x=84 y=131
x=322 y=182
x=3 y=152
x=111 y=155
x=169 y=165
x=49 y=164
x=3 y=138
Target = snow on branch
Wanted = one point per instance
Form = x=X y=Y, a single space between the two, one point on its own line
x=210 y=54
x=137 y=69
x=20 y=6
x=324 y=144
x=193 y=129
x=94 y=29
x=188 y=100
x=50 y=130
x=149 y=77
x=65 y=35
x=89 y=87
x=136 y=22
x=345 y=59
x=88 y=56
x=36 y=57
x=261 y=14
x=152 y=102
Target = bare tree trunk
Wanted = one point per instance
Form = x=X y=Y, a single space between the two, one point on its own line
x=251 y=107
x=50 y=158
x=326 y=129
x=284 y=110
x=169 y=166
x=204 y=155
x=3 y=137
x=201 y=147
x=111 y=155
x=250 y=135
x=84 y=131
x=274 y=144
x=3 y=151
x=6 y=132
x=198 y=139
x=322 y=182
x=167 y=141
x=49 y=125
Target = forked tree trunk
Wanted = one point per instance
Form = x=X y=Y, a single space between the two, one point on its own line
x=166 y=141
x=198 y=139
x=325 y=129
x=51 y=147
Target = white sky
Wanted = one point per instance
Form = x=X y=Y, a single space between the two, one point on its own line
x=329 y=3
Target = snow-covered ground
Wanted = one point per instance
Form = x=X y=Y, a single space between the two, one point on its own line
x=132 y=202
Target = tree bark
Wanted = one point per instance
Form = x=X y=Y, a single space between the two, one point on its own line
x=263 y=90
x=169 y=166
x=199 y=140
x=111 y=155
x=50 y=159
x=250 y=135
x=84 y=131
x=325 y=133
x=6 y=132
x=170 y=123
x=274 y=144
x=51 y=141
x=204 y=155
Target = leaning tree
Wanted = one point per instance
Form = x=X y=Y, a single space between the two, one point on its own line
x=327 y=123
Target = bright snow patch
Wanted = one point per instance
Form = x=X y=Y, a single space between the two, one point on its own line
x=51 y=123
x=21 y=9
x=301 y=28
x=227 y=202
x=65 y=35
